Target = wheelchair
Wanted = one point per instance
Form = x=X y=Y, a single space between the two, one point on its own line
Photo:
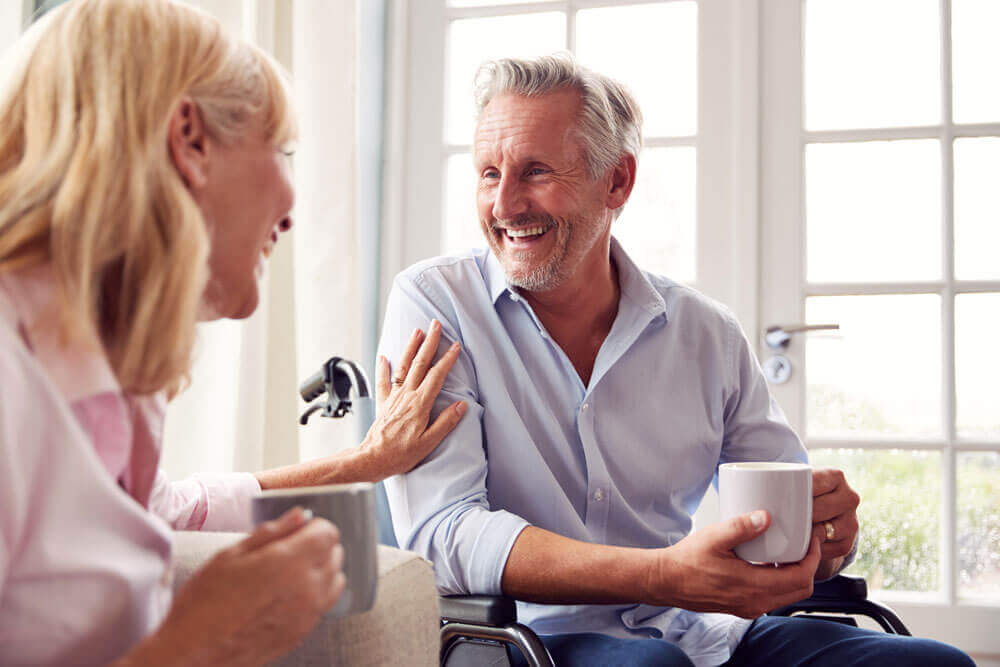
x=482 y=629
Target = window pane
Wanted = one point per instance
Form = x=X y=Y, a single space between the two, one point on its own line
x=900 y=515
x=656 y=56
x=872 y=63
x=979 y=524
x=471 y=41
x=977 y=365
x=657 y=226
x=873 y=211
x=977 y=208
x=880 y=375
x=461 y=224
x=975 y=52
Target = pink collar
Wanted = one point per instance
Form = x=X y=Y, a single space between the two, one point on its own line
x=128 y=444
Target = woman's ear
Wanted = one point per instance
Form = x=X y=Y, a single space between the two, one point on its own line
x=188 y=144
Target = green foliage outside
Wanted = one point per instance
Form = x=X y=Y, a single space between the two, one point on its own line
x=900 y=510
x=979 y=523
x=900 y=515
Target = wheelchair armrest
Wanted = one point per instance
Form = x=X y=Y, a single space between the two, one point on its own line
x=841 y=587
x=494 y=610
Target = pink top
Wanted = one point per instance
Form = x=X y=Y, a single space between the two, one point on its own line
x=85 y=512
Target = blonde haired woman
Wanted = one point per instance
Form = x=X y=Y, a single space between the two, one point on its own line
x=142 y=186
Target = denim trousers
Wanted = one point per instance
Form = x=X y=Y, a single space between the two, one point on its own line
x=771 y=641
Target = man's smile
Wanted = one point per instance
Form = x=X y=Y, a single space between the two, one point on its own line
x=522 y=237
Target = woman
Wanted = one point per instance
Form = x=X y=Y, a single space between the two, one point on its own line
x=143 y=184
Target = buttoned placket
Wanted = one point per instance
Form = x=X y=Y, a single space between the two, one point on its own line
x=598 y=481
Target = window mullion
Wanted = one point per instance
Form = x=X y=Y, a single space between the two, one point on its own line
x=949 y=514
x=571 y=10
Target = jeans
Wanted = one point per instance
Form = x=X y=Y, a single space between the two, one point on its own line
x=772 y=641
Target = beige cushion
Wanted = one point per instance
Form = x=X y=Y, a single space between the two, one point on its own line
x=401 y=629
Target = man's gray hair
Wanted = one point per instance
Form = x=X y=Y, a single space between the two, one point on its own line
x=610 y=123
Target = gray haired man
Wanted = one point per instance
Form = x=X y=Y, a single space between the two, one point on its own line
x=602 y=399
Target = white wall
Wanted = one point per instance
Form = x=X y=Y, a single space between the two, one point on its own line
x=327 y=245
x=241 y=411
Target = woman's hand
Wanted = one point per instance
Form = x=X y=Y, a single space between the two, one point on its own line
x=400 y=438
x=253 y=602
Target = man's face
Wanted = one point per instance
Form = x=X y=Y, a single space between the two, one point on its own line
x=539 y=209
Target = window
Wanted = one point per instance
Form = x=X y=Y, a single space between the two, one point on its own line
x=817 y=161
x=658 y=61
x=880 y=214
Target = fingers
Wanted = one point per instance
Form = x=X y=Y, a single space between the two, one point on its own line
x=383 y=385
x=834 y=504
x=439 y=372
x=402 y=372
x=316 y=542
x=444 y=424
x=272 y=530
x=728 y=534
x=826 y=480
x=789 y=583
x=424 y=356
x=845 y=530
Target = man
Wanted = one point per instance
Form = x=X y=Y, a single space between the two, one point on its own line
x=602 y=400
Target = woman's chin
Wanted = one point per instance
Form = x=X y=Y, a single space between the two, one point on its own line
x=217 y=309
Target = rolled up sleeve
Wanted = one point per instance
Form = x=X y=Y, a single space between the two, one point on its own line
x=211 y=502
x=441 y=508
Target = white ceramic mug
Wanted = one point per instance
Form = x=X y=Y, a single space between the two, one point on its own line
x=785 y=491
x=351 y=508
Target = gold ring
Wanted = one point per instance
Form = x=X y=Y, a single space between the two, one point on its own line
x=830 y=532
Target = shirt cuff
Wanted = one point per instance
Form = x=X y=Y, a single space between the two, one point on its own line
x=492 y=551
x=228 y=497
x=849 y=558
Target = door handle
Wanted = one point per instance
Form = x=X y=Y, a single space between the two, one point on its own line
x=777 y=337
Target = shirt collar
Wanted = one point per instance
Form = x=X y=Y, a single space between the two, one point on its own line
x=634 y=284
x=496 y=279
x=78 y=367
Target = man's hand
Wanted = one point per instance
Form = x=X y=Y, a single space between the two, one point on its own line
x=835 y=519
x=701 y=572
x=401 y=438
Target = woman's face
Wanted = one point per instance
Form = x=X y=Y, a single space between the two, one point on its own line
x=246 y=200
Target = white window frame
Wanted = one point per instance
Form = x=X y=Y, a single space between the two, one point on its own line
x=944 y=615
x=726 y=139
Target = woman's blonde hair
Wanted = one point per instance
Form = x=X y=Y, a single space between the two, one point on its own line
x=87 y=184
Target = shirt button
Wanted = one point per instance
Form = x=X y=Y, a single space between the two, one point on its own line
x=513 y=296
x=599 y=495
x=585 y=406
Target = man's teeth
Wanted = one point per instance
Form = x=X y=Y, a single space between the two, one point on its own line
x=527 y=231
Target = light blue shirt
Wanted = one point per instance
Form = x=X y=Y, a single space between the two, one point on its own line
x=625 y=460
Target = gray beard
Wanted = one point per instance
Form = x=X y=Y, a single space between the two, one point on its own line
x=554 y=271
x=548 y=276
x=580 y=235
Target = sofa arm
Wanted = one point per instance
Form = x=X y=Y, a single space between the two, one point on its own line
x=402 y=627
